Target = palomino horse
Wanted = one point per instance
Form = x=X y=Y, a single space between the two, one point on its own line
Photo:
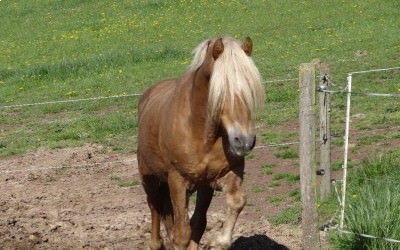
x=194 y=132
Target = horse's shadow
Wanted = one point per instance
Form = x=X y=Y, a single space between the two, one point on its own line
x=256 y=242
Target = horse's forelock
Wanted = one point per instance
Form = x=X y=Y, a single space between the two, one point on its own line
x=235 y=76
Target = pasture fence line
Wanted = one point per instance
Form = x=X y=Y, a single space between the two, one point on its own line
x=360 y=93
x=103 y=97
x=308 y=144
x=369 y=236
x=346 y=151
x=365 y=131
x=139 y=94
x=324 y=132
x=347 y=132
x=69 y=101
x=309 y=222
x=281 y=80
x=272 y=145
x=31 y=169
x=324 y=90
x=373 y=70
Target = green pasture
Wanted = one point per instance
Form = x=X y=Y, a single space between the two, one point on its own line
x=61 y=50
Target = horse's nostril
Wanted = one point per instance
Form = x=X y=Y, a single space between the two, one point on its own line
x=250 y=142
x=242 y=143
x=237 y=141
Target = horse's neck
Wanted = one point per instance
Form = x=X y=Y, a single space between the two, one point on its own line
x=203 y=126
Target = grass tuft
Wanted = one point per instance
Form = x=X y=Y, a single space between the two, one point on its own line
x=290 y=215
x=372 y=204
x=124 y=183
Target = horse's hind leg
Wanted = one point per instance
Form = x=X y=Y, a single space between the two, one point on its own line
x=198 y=222
x=151 y=186
x=235 y=200
x=167 y=215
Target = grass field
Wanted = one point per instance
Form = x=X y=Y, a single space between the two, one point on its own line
x=57 y=50
x=53 y=50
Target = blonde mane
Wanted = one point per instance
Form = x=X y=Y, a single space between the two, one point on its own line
x=234 y=75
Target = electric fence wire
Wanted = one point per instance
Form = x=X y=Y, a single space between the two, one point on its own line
x=101 y=98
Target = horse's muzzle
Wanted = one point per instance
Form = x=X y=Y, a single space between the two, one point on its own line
x=241 y=144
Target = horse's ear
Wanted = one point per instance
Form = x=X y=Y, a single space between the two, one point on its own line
x=218 y=48
x=247 y=46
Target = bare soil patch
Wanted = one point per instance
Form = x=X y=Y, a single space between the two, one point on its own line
x=69 y=199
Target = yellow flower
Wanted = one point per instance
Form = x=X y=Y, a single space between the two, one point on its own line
x=71 y=93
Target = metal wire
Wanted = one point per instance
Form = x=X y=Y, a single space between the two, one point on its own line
x=69 y=101
x=30 y=169
x=101 y=97
x=369 y=236
x=277 y=144
x=281 y=80
x=359 y=93
x=373 y=70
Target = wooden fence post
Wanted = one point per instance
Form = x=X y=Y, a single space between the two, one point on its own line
x=307 y=156
x=324 y=133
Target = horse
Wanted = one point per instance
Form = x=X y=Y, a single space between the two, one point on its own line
x=193 y=135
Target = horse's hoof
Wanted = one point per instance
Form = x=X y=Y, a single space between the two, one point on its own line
x=155 y=245
x=219 y=244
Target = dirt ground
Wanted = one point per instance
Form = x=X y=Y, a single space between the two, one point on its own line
x=70 y=199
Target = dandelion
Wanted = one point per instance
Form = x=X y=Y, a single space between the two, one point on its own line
x=71 y=93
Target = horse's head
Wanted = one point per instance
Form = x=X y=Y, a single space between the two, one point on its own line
x=236 y=92
x=238 y=126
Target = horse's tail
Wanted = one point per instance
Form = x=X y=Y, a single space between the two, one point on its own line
x=167 y=213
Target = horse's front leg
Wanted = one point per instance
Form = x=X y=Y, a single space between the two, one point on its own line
x=198 y=222
x=235 y=200
x=179 y=197
x=151 y=187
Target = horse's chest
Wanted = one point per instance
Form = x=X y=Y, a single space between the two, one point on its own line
x=206 y=170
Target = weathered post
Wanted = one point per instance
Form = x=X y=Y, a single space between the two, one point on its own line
x=307 y=156
x=324 y=133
